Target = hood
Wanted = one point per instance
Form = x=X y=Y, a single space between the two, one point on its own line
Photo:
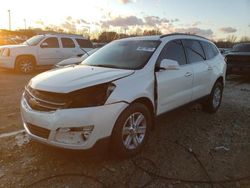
x=70 y=61
x=14 y=46
x=68 y=79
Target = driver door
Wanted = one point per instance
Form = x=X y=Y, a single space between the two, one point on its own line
x=174 y=86
x=49 y=52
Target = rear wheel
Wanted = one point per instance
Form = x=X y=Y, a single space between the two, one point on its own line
x=25 y=64
x=213 y=101
x=131 y=130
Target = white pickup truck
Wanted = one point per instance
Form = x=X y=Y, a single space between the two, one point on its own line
x=43 y=50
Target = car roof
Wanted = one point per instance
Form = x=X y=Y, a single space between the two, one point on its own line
x=159 y=37
x=64 y=35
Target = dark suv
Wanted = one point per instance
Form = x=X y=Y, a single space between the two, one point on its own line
x=238 y=60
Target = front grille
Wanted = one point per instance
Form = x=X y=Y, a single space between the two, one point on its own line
x=38 y=131
x=44 y=101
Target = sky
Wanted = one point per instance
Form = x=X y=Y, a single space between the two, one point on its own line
x=215 y=19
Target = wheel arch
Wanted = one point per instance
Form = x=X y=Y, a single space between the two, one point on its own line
x=26 y=55
x=220 y=79
x=148 y=103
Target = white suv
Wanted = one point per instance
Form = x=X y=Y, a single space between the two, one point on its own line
x=43 y=50
x=116 y=93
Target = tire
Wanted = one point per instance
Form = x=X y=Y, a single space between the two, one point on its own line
x=129 y=137
x=213 y=101
x=25 y=64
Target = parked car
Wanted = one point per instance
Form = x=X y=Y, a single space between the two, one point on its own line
x=75 y=60
x=115 y=94
x=224 y=51
x=42 y=51
x=7 y=41
x=99 y=45
x=238 y=60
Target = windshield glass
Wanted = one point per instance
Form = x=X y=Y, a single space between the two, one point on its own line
x=124 y=54
x=34 y=40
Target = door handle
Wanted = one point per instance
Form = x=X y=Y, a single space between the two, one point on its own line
x=210 y=68
x=188 y=74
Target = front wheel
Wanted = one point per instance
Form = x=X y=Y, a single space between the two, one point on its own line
x=25 y=65
x=131 y=130
x=213 y=101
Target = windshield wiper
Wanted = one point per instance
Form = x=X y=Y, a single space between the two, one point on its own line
x=106 y=66
x=27 y=43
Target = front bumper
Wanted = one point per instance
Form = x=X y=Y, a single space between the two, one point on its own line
x=102 y=117
x=7 y=62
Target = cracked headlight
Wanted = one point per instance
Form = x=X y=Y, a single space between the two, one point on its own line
x=92 y=96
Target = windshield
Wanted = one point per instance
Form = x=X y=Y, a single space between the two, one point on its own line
x=124 y=54
x=34 y=40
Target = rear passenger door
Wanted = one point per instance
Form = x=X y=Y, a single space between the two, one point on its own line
x=68 y=48
x=174 y=86
x=202 y=71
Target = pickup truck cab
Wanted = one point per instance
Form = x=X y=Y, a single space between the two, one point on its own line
x=43 y=51
x=238 y=59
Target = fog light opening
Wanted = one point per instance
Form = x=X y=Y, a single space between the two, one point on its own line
x=74 y=135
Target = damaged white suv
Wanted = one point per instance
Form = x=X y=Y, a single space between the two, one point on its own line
x=116 y=93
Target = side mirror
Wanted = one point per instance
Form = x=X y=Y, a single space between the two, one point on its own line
x=44 y=45
x=169 y=64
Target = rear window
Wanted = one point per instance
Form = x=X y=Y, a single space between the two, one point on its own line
x=210 y=50
x=67 y=43
x=84 y=43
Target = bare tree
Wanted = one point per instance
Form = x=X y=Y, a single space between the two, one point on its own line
x=244 y=39
x=231 y=38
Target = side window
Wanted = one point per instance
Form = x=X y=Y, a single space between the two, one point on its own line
x=248 y=48
x=84 y=43
x=67 y=43
x=173 y=50
x=51 y=42
x=194 y=51
x=245 y=48
x=210 y=50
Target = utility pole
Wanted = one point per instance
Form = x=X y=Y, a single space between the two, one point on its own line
x=9 y=20
x=24 y=23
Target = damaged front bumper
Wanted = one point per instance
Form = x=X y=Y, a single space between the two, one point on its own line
x=78 y=128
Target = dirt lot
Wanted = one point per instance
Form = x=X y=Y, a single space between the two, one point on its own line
x=189 y=148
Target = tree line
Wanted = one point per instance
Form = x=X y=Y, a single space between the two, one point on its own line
x=108 y=36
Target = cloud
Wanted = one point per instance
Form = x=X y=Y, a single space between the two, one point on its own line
x=126 y=1
x=196 y=24
x=175 y=20
x=122 y=21
x=39 y=22
x=249 y=25
x=228 y=30
x=154 y=20
x=195 y=30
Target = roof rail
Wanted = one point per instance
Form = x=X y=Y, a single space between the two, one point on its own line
x=72 y=35
x=172 y=34
x=61 y=34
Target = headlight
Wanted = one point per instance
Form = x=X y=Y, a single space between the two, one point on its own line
x=92 y=96
x=6 y=52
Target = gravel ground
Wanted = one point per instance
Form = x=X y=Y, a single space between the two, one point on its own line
x=189 y=148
